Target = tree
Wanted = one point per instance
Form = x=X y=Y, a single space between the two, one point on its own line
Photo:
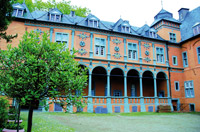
x=39 y=69
x=6 y=17
x=63 y=6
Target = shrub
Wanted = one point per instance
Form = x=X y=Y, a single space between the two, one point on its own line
x=12 y=110
x=13 y=126
x=3 y=112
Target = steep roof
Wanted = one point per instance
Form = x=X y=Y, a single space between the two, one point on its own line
x=187 y=24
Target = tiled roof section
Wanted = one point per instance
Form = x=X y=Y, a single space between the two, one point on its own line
x=83 y=21
x=144 y=31
x=190 y=20
x=23 y=6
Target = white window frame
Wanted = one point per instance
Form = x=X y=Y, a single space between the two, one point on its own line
x=17 y=12
x=160 y=57
x=61 y=40
x=172 y=37
x=100 y=48
x=54 y=19
x=189 y=89
x=132 y=52
x=91 y=23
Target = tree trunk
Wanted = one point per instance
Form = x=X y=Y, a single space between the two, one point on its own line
x=18 y=116
x=30 y=117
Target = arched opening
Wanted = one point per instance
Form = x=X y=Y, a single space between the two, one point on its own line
x=117 y=82
x=161 y=84
x=148 y=84
x=99 y=83
x=133 y=84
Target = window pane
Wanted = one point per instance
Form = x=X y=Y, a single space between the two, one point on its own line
x=129 y=53
x=52 y=17
x=97 y=50
x=19 y=13
x=95 y=23
x=14 y=12
x=58 y=37
x=57 y=18
x=134 y=54
x=198 y=50
x=176 y=86
x=102 y=50
x=134 y=46
x=91 y=23
x=161 y=58
x=64 y=37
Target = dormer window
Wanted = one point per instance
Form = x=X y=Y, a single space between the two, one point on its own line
x=125 y=29
x=93 y=23
x=196 y=29
x=152 y=34
x=54 y=17
x=18 y=12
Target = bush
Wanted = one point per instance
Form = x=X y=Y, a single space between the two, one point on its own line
x=12 y=110
x=3 y=112
x=13 y=126
x=13 y=117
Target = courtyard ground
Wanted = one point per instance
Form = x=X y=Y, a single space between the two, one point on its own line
x=122 y=122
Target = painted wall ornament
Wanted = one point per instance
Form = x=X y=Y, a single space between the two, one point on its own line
x=147 y=53
x=82 y=43
x=116 y=48
x=147 y=59
x=82 y=36
x=117 y=55
x=147 y=46
x=116 y=41
x=82 y=51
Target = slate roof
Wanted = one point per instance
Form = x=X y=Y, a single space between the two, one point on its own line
x=191 y=19
x=187 y=24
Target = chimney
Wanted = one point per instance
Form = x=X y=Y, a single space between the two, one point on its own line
x=72 y=14
x=182 y=13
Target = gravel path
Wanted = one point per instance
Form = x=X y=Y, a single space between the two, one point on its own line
x=118 y=123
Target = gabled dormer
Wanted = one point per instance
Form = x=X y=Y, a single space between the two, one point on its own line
x=196 y=28
x=55 y=15
x=124 y=27
x=152 y=33
x=18 y=10
x=92 y=21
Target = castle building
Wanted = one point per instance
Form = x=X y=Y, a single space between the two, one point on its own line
x=130 y=69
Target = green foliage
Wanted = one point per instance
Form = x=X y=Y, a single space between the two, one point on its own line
x=39 y=68
x=13 y=126
x=6 y=17
x=3 y=112
x=12 y=110
x=64 y=6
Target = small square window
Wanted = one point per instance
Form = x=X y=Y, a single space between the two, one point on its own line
x=172 y=37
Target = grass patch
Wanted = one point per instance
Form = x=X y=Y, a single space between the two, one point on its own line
x=44 y=122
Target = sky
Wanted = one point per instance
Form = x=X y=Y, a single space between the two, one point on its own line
x=137 y=12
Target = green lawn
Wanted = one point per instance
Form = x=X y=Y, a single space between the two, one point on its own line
x=91 y=122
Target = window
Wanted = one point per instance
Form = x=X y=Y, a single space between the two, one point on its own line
x=198 y=54
x=196 y=29
x=93 y=23
x=152 y=34
x=125 y=29
x=174 y=60
x=176 y=85
x=100 y=44
x=133 y=90
x=54 y=17
x=62 y=38
x=189 y=89
x=172 y=37
x=132 y=51
x=18 y=12
x=160 y=54
x=185 y=60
